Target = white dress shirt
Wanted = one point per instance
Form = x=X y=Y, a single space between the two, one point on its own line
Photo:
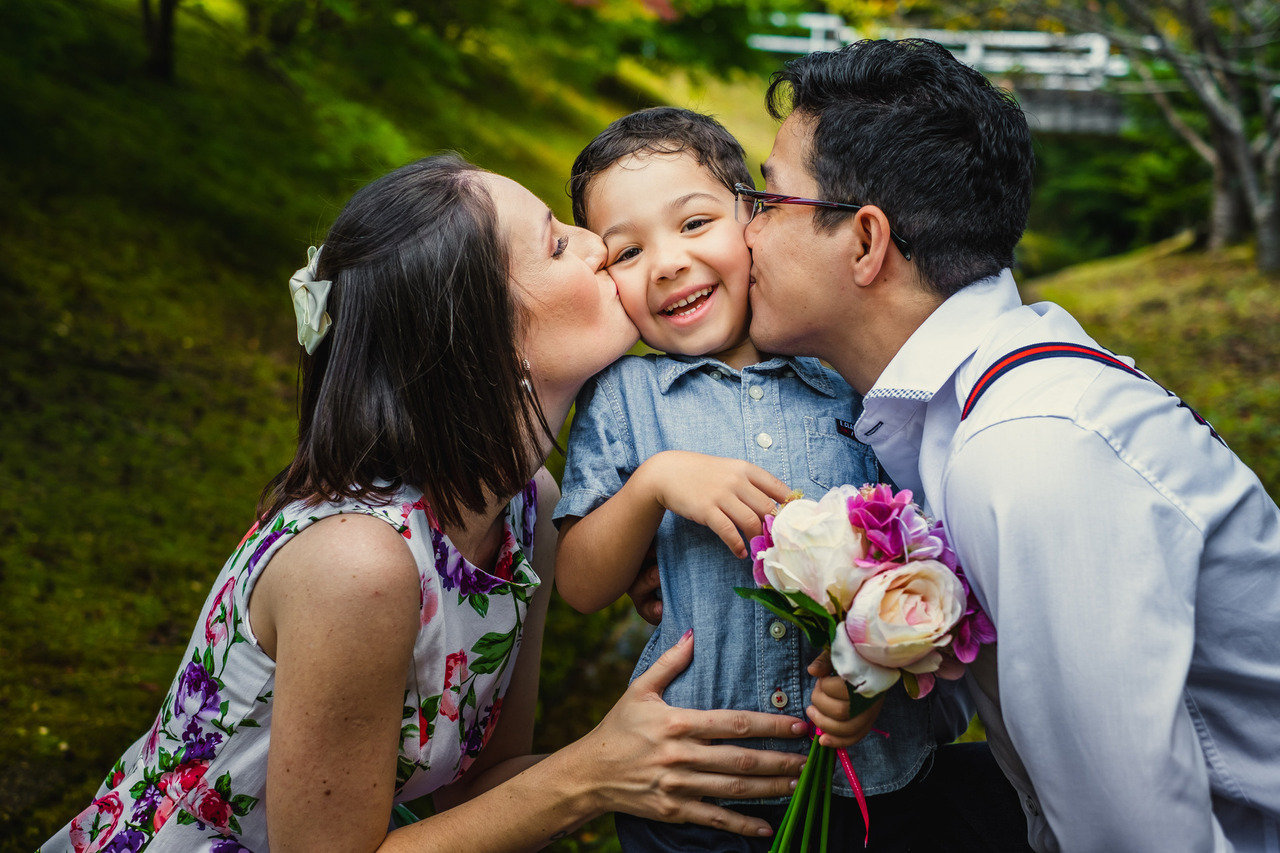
x=1131 y=564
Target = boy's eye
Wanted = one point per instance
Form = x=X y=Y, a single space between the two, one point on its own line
x=695 y=224
x=625 y=255
x=562 y=243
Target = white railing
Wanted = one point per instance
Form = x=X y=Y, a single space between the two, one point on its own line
x=1050 y=60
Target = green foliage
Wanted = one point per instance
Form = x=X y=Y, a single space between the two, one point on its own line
x=147 y=364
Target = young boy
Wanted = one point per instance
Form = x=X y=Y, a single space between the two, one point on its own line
x=715 y=432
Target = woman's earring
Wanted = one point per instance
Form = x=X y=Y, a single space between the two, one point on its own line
x=524 y=380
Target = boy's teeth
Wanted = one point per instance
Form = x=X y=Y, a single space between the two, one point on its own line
x=683 y=302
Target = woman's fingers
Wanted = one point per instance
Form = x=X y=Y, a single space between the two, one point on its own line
x=671 y=663
x=718 y=817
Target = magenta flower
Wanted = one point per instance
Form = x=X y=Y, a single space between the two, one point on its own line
x=759 y=544
x=879 y=512
x=975 y=627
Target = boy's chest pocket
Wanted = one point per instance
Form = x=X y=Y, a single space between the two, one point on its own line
x=835 y=457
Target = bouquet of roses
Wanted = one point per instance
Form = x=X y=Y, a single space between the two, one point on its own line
x=864 y=573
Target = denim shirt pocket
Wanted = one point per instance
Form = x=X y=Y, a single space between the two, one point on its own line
x=835 y=457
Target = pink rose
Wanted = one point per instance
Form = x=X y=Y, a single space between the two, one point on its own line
x=899 y=620
x=212 y=809
x=430 y=598
x=93 y=827
x=216 y=623
x=455 y=667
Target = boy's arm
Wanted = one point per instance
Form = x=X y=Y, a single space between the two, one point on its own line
x=601 y=553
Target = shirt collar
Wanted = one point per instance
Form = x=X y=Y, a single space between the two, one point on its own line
x=929 y=359
x=947 y=337
x=808 y=369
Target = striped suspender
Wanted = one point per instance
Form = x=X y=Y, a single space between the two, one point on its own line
x=1035 y=352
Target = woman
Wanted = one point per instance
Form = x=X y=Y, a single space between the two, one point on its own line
x=362 y=644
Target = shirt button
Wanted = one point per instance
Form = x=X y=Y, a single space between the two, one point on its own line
x=1032 y=808
x=790 y=374
x=715 y=374
x=764 y=440
x=778 y=630
x=779 y=699
x=756 y=392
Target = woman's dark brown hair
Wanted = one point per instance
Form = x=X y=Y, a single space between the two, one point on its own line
x=419 y=380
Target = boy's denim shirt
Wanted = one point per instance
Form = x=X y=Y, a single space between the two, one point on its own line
x=794 y=418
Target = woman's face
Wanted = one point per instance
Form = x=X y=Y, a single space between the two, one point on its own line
x=576 y=325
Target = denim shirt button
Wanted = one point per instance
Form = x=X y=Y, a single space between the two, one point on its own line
x=715 y=374
x=779 y=699
x=778 y=630
x=756 y=392
x=764 y=440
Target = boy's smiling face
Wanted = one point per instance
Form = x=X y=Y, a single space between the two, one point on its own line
x=676 y=254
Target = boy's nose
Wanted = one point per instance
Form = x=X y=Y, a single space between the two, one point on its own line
x=669 y=264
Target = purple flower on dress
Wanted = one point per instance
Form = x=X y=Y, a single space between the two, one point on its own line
x=145 y=805
x=127 y=840
x=197 y=694
x=262 y=549
x=201 y=745
x=456 y=573
x=228 y=845
x=530 y=511
x=475 y=736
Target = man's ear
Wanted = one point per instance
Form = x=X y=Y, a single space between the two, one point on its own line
x=869 y=236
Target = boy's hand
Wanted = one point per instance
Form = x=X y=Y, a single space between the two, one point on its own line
x=725 y=495
x=830 y=708
x=646 y=589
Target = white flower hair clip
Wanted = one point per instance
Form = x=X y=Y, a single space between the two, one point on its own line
x=309 y=298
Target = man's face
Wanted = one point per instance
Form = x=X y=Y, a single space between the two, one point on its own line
x=800 y=275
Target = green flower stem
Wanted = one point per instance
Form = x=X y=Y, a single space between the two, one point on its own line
x=826 y=796
x=782 y=841
x=812 y=801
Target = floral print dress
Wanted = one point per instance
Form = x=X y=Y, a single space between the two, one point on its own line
x=196 y=781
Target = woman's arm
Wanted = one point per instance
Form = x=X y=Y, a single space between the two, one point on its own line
x=601 y=553
x=338 y=609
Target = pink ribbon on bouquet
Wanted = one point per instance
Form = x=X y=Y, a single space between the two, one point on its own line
x=852 y=775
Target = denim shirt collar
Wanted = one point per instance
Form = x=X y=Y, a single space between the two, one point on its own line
x=808 y=369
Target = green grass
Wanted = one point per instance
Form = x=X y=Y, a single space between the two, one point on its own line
x=147 y=359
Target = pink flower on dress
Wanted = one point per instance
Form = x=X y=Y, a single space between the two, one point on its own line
x=209 y=806
x=408 y=509
x=430 y=598
x=219 y=618
x=93 y=827
x=454 y=666
x=175 y=785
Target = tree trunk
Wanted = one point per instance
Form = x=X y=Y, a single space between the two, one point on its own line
x=1229 y=216
x=157 y=30
x=1269 y=238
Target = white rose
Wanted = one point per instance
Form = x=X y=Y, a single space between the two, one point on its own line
x=814 y=549
x=898 y=620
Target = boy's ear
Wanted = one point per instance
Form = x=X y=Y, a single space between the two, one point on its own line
x=868 y=234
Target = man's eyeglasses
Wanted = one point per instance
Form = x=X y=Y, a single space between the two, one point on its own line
x=749 y=202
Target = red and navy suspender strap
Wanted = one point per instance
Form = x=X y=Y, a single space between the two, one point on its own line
x=1035 y=352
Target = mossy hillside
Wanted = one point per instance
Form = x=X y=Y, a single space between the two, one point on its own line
x=146 y=357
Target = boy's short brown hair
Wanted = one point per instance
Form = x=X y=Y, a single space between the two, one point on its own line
x=658 y=130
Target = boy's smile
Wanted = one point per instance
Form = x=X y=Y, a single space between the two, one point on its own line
x=677 y=255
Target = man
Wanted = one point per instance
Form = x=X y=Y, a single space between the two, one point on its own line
x=1129 y=560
